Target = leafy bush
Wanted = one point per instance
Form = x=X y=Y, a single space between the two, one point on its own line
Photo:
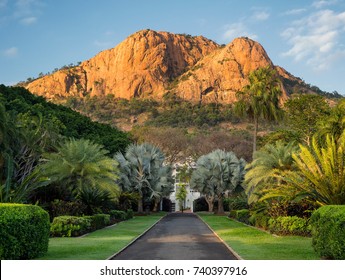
x=99 y=221
x=118 y=215
x=243 y=215
x=67 y=208
x=259 y=220
x=289 y=225
x=24 y=231
x=129 y=214
x=238 y=202
x=233 y=214
x=70 y=226
x=328 y=231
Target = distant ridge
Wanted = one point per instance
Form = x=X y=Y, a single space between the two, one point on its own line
x=150 y=63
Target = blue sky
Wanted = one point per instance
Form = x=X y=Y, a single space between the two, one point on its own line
x=307 y=38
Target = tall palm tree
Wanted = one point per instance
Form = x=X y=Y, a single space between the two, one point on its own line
x=260 y=98
x=79 y=164
x=267 y=163
x=143 y=171
x=217 y=173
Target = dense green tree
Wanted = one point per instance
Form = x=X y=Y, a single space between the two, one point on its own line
x=143 y=172
x=304 y=112
x=334 y=124
x=18 y=100
x=81 y=164
x=181 y=195
x=260 y=98
x=217 y=173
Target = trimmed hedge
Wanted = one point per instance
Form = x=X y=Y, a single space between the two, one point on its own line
x=117 y=215
x=328 y=231
x=259 y=220
x=240 y=215
x=67 y=226
x=289 y=225
x=99 y=221
x=24 y=231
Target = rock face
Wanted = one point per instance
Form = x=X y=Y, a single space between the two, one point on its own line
x=150 y=63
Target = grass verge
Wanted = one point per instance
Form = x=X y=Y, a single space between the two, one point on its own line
x=100 y=244
x=254 y=244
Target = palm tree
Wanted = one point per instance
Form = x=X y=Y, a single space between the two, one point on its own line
x=320 y=174
x=143 y=171
x=79 y=164
x=260 y=98
x=18 y=178
x=267 y=163
x=216 y=174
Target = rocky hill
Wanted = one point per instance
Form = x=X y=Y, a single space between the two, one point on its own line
x=150 y=63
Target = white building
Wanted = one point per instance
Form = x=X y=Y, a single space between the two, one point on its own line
x=191 y=195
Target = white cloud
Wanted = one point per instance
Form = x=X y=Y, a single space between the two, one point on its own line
x=295 y=12
x=315 y=39
x=323 y=3
x=238 y=29
x=11 y=52
x=28 y=20
x=27 y=11
x=260 y=15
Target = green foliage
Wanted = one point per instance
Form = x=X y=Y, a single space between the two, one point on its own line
x=304 y=112
x=67 y=226
x=328 y=231
x=259 y=220
x=267 y=163
x=217 y=173
x=129 y=214
x=238 y=202
x=143 y=172
x=24 y=231
x=260 y=98
x=66 y=208
x=181 y=195
x=81 y=164
x=290 y=225
x=243 y=215
x=95 y=199
x=118 y=215
x=319 y=174
x=99 y=221
x=69 y=123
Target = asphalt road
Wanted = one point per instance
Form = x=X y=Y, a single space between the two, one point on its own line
x=178 y=236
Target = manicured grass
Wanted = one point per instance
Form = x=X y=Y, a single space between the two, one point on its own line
x=253 y=244
x=100 y=244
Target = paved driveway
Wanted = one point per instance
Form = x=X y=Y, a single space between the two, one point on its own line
x=178 y=236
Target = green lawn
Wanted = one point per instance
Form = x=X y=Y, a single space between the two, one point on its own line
x=100 y=244
x=253 y=244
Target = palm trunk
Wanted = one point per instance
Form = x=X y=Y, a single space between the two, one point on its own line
x=220 y=205
x=155 y=207
x=209 y=200
x=140 y=204
x=256 y=125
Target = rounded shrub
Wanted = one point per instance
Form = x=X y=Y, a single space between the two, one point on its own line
x=328 y=231
x=24 y=231
x=289 y=225
x=70 y=226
